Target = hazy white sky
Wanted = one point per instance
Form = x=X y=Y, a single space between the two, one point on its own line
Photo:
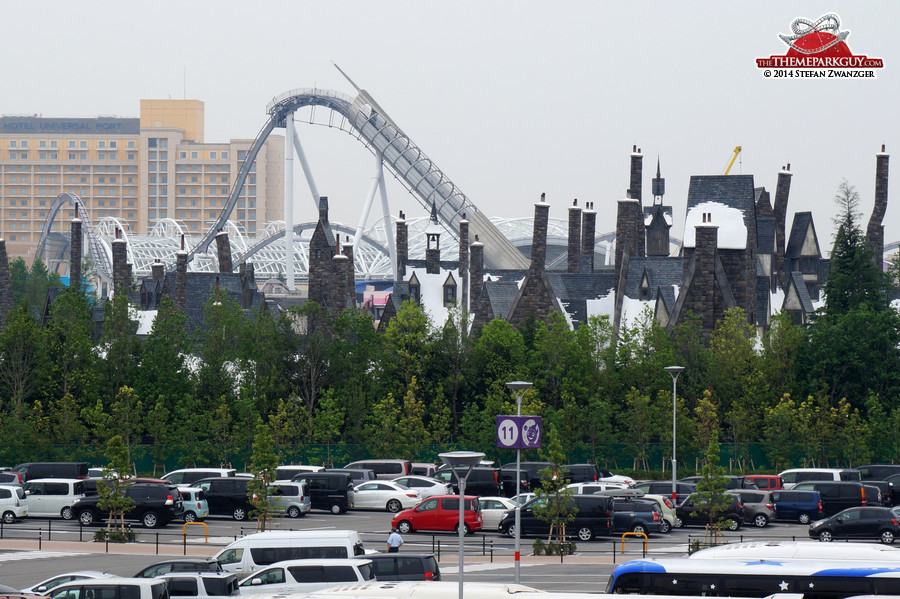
x=509 y=99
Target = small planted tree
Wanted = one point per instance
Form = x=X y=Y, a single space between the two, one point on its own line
x=710 y=496
x=555 y=504
x=263 y=463
x=113 y=492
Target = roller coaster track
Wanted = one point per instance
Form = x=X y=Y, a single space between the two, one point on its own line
x=406 y=161
x=99 y=253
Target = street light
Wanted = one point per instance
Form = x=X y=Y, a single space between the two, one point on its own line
x=674 y=371
x=461 y=462
x=518 y=388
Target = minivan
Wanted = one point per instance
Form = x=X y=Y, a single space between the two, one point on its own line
x=132 y=588
x=405 y=566
x=799 y=506
x=260 y=549
x=594 y=517
x=290 y=498
x=384 y=469
x=765 y=482
x=307 y=576
x=359 y=475
x=53 y=497
x=878 y=471
x=12 y=503
x=288 y=472
x=837 y=495
x=31 y=470
x=187 y=476
x=331 y=491
x=791 y=477
x=482 y=480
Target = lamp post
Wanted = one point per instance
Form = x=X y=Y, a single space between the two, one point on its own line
x=461 y=462
x=674 y=371
x=518 y=388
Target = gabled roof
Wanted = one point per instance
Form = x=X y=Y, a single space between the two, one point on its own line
x=797 y=292
x=765 y=234
x=800 y=229
x=661 y=271
x=763 y=204
x=501 y=295
x=730 y=200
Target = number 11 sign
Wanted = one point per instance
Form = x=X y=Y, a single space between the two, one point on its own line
x=518 y=432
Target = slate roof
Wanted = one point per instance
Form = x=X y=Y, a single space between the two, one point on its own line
x=799 y=228
x=501 y=294
x=763 y=204
x=574 y=290
x=802 y=291
x=662 y=271
x=763 y=309
x=765 y=234
x=734 y=191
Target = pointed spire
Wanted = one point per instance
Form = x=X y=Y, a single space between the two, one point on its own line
x=434 y=212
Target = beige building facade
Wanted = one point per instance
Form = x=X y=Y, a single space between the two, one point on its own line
x=136 y=170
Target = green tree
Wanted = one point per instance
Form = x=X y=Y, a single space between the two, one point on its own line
x=781 y=433
x=163 y=375
x=412 y=423
x=383 y=427
x=710 y=497
x=328 y=422
x=640 y=419
x=220 y=340
x=128 y=418
x=263 y=463
x=122 y=347
x=158 y=424
x=113 y=488
x=23 y=361
x=69 y=345
x=554 y=503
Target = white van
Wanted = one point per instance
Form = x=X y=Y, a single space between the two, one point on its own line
x=791 y=477
x=12 y=503
x=307 y=575
x=122 y=588
x=186 y=476
x=265 y=548
x=53 y=497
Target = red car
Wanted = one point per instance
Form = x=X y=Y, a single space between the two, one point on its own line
x=440 y=512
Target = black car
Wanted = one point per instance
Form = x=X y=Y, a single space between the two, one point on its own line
x=404 y=566
x=530 y=476
x=839 y=495
x=226 y=495
x=482 y=480
x=581 y=473
x=858 y=523
x=635 y=515
x=332 y=491
x=734 y=482
x=184 y=564
x=878 y=471
x=593 y=517
x=664 y=488
x=154 y=505
x=692 y=512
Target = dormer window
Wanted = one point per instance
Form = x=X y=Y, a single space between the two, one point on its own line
x=644 y=293
x=449 y=290
x=415 y=288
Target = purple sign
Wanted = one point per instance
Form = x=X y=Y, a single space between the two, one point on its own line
x=518 y=432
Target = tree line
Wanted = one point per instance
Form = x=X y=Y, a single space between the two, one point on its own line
x=823 y=392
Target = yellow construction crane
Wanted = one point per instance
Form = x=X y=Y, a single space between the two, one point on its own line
x=737 y=150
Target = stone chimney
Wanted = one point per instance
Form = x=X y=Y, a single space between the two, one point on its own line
x=875 y=230
x=588 y=237
x=121 y=279
x=539 y=236
x=402 y=245
x=338 y=296
x=782 y=191
x=464 y=261
x=157 y=270
x=6 y=295
x=635 y=182
x=223 y=249
x=349 y=272
x=75 y=251
x=573 y=262
x=476 y=271
x=181 y=278
x=628 y=231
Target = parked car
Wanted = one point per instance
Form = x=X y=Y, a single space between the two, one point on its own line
x=196 y=509
x=733 y=482
x=440 y=513
x=423 y=468
x=12 y=503
x=878 y=471
x=885 y=491
x=483 y=480
x=607 y=476
x=635 y=515
x=793 y=476
x=530 y=474
x=53 y=497
x=523 y=498
x=493 y=509
x=359 y=475
x=187 y=476
x=765 y=482
x=759 y=509
x=9 y=478
x=226 y=496
x=858 y=523
x=404 y=566
x=581 y=473
x=799 y=506
x=32 y=470
x=307 y=575
x=692 y=512
x=384 y=495
x=154 y=505
x=666 y=510
x=425 y=485
x=255 y=551
x=184 y=564
x=289 y=472
x=290 y=498
x=384 y=469
x=332 y=491
x=664 y=487
x=133 y=588
x=201 y=585
x=837 y=495
x=45 y=586
x=591 y=488
x=593 y=517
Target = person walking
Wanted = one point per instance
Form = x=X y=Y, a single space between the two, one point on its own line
x=395 y=541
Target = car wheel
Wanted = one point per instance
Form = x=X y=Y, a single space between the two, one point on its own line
x=804 y=518
x=66 y=513
x=336 y=509
x=150 y=520
x=639 y=528
x=760 y=521
x=394 y=506
x=293 y=511
x=9 y=518
x=511 y=530
x=466 y=529
x=887 y=537
x=734 y=523
x=664 y=526
x=679 y=523
x=190 y=517
x=585 y=533
x=86 y=517
x=404 y=526
x=825 y=536
x=239 y=514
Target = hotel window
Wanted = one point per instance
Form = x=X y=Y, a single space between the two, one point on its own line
x=163 y=155
x=42 y=143
x=152 y=203
x=24 y=144
x=13 y=155
x=112 y=179
x=194 y=155
x=72 y=143
x=12 y=143
x=212 y=155
x=112 y=145
x=151 y=142
x=224 y=154
x=101 y=145
x=242 y=154
x=182 y=154
x=130 y=145
x=84 y=156
x=102 y=179
x=112 y=155
x=42 y=155
x=54 y=156
x=42 y=179
x=101 y=156
x=163 y=142
x=130 y=155
x=53 y=144
x=130 y=180
x=152 y=155
x=82 y=145
x=163 y=190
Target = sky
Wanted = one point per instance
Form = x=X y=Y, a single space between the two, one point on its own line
x=509 y=99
